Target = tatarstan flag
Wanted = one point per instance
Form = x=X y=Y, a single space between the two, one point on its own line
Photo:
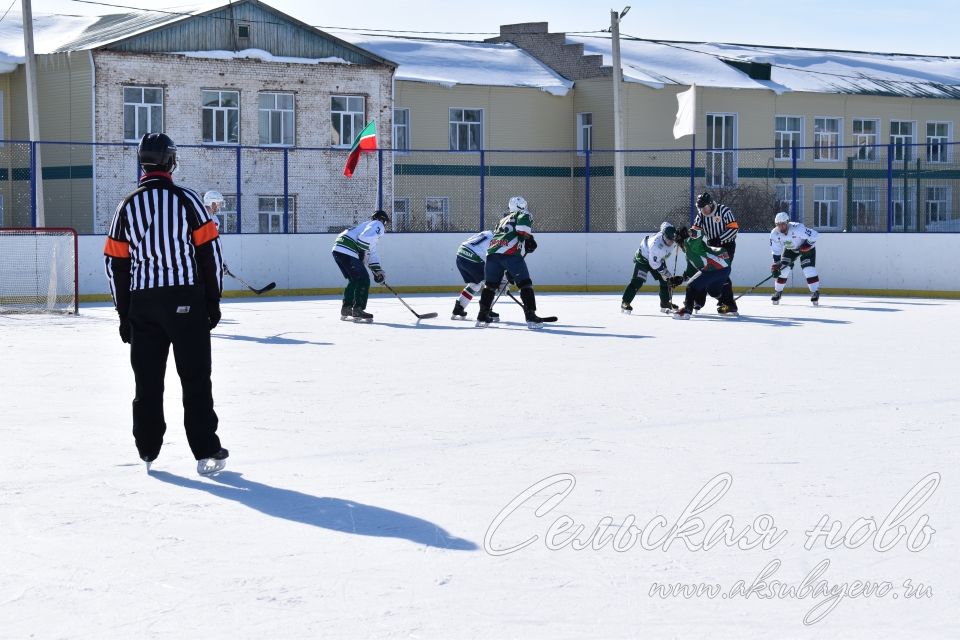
x=366 y=141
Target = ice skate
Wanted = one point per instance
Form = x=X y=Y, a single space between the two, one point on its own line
x=626 y=308
x=459 y=313
x=483 y=319
x=681 y=314
x=494 y=316
x=214 y=464
x=148 y=461
x=668 y=308
x=775 y=298
x=728 y=311
x=815 y=298
x=346 y=312
x=359 y=315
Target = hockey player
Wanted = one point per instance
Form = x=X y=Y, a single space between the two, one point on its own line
x=513 y=233
x=354 y=247
x=471 y=261
x=708 y=272
x=789 y=241
x=651 y=258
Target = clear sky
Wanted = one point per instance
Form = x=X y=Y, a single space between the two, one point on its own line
x=925 y=27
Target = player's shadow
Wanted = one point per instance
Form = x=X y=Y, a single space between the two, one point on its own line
x=565 y=330
x=277 y=339
x=773 y=322
x=848 y=308
x=425 y=324
x=334 y=514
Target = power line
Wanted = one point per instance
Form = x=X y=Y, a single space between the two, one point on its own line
x=8 y=10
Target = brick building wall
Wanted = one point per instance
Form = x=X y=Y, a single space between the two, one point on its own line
x=324 y=198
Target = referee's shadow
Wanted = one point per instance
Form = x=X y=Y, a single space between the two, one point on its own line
x=275 y=339
x=335 y=514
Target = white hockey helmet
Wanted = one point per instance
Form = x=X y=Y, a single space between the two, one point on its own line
x=517 y=203
x=781 y=218
x=211 y=197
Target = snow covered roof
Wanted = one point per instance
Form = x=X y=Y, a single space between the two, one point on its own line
x=452 y=62
x=660 y=63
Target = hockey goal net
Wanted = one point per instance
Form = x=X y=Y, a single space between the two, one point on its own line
x=39 y=271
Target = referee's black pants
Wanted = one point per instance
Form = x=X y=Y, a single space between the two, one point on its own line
x=159 y=318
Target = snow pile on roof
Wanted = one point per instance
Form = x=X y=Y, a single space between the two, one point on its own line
x=49 y=33
x=451 y=62
x=656 y=64
x=258 y=54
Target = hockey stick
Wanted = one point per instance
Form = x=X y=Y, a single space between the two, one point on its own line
x=546 y=319
x=420 y=316
x=270 y=286
x=772 y=275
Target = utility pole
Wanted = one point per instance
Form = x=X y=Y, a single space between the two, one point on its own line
x=618 y=144
x=33 y=113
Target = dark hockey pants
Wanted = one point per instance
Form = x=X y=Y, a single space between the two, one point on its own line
x=358 y=280
x=640 y=271
x=160 y=318
x=715 y=283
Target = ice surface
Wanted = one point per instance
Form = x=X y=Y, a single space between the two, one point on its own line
x=367 y=463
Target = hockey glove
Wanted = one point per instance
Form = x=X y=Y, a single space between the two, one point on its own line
x=714 y=242
x=775 y=268
x=530 y=244
x=675 y=281
x=805 y=247
x=125 y=329
x=379 y=275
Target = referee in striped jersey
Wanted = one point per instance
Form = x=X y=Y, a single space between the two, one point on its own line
x=720 y=229
x=163 y=260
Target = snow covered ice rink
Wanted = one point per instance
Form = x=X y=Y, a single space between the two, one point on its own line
x=377 y=474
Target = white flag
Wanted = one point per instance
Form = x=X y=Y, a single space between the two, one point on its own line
x=686 y=113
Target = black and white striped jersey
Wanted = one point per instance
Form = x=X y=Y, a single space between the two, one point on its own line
x=158 y=228
x=721 y=224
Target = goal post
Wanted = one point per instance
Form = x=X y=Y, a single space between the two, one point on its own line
x=39 y=270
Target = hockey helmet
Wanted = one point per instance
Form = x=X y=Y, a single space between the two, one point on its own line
x=517 y=204
x=157 y=152
x=704 y=199
x=695 y=232
x=380 y=215
x=669 y=231
x=212 y=197
x=781 y=218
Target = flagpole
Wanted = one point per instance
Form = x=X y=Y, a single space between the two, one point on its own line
x=693 y=159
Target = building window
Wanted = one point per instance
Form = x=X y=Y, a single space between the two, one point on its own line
x=270 y=212
x=785 y=200
x=787 y=135
x=466 y=129
x=721 y=142
x=347 y=115
x=827 y=138
x=866 y=208
x=276 y=119
x=401 y=214
x=221 y=117
x=826 y=206
x=401 y=130
x=904 y=212
x=227 y=215
x=584 y=132
x=938 y=139
x=142 y=112
x=901 y=137
x=937 y=204
x=865 y=137
x=243 y=33
x=438 y=214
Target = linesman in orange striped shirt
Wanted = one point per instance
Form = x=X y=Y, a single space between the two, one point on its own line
x=162 y=259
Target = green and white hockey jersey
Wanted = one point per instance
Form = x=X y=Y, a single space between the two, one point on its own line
x=653 y=253
x=475 y=247
x=511 y=229
x=795 y=236
x=360 y=241
x=701 y=257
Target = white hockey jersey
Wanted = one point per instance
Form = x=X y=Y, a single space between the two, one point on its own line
x=796 y=235
x=475 y=247
x=362 y=238
x=655 y=251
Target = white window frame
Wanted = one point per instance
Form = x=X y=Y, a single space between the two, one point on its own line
x=274 y=215
x=227 y=215
x=827 y=152
x=903 y=150
x=355 y=117
x=942 y=213
x=784 y=193
x=405 y=128
x=865 y=200
x=462 y=122
x=584 y=133
x=443 y=213
x=839 y=206
x=218 y=113
x=724 y=156
x=277 y=112
x=906 y=212
x=866 y=151
x=400 y=220
x=942 y=142
x=148 y=108
x=780 y=136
